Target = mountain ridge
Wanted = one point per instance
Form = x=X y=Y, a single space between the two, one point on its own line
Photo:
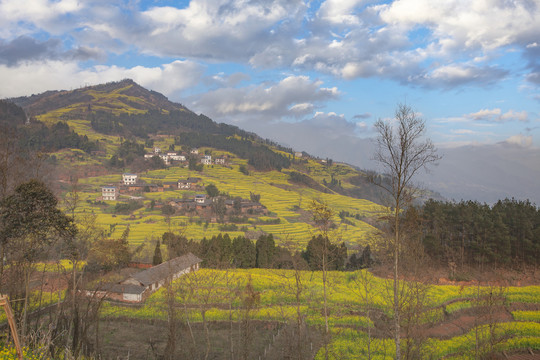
x=125 y=91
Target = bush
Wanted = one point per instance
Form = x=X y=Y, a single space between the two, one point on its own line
x=127 y=208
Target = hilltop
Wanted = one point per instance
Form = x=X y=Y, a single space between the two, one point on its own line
x=125 y=95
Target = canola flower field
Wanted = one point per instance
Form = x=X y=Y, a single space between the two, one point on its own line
x=216 y=292
x=283 y=200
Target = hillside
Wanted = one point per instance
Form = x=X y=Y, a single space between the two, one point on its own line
x=122 y=122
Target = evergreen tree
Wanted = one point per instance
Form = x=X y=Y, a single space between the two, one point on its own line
x=266 y=248
x=157 y=259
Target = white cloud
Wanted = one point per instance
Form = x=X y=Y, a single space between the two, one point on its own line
x=463 y=132
x=339 y=12
x=520 y=140
x=461 y=74
x=36 y=77
x=485 y=114
x=481 y=24
x=292 y=96
x=496 y=115
x=22 y=17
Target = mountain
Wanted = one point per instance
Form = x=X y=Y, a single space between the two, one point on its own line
x=127 y=110
x=125 y=95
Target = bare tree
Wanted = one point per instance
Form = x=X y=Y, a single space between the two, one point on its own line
x=402 y=152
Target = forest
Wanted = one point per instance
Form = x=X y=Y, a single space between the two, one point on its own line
x=506 y=234
x=33 y=135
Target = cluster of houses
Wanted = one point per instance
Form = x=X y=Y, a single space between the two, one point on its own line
x=202 y=204
x=137 y=287
x=169 y=157
x=131 y=184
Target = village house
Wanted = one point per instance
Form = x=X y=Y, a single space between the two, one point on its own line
x=200 y=198
x=189 y=183
x=165 y=158
x=157 y=150
x=137 y=287
x=184 y=184
x=170 y=185
x=176 y=157
x=206 y=160
x=220 y=160
x=108 y=192
x=194 y=151
x=128 y=179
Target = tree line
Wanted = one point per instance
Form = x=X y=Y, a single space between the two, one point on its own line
x=222 y=251
x=506 y=234
x=155 y=121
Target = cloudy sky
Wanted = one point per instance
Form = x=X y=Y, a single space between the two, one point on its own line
x=314 y=75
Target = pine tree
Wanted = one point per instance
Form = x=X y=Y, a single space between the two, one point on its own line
x=158 y=258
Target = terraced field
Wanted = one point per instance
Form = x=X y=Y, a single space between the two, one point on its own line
x=290 y=203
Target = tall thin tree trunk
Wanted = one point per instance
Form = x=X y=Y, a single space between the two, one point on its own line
x=396 y=287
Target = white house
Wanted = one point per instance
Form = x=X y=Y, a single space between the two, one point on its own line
x=220 y=161
x=108 y=192
x=165 y=158
x=157 y=150
x=176 y=157
x=206 y=160
x=129 y=179
x=184 y=184
x=194 y=151
x=200 y=198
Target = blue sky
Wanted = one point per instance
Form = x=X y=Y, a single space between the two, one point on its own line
x=314 y=75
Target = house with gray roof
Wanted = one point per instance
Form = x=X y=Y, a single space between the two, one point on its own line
x=137 y=287
x=155 y=277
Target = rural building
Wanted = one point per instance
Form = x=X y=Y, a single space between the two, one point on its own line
x=200 y=198
x=176 y=157
x=155 y=277
x=194 y=151
x=170 y=185
x=129 y=179
x=108 y=192
x=206 y=160
x=137 y=287
x=220 y=160
x=184 y=184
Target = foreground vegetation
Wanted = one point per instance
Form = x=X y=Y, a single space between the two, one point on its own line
x=285 y=295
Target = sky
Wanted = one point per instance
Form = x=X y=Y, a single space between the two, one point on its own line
x=312 y=75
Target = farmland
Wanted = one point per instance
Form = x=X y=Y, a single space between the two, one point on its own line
x=215 y=296
x=283 y=200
